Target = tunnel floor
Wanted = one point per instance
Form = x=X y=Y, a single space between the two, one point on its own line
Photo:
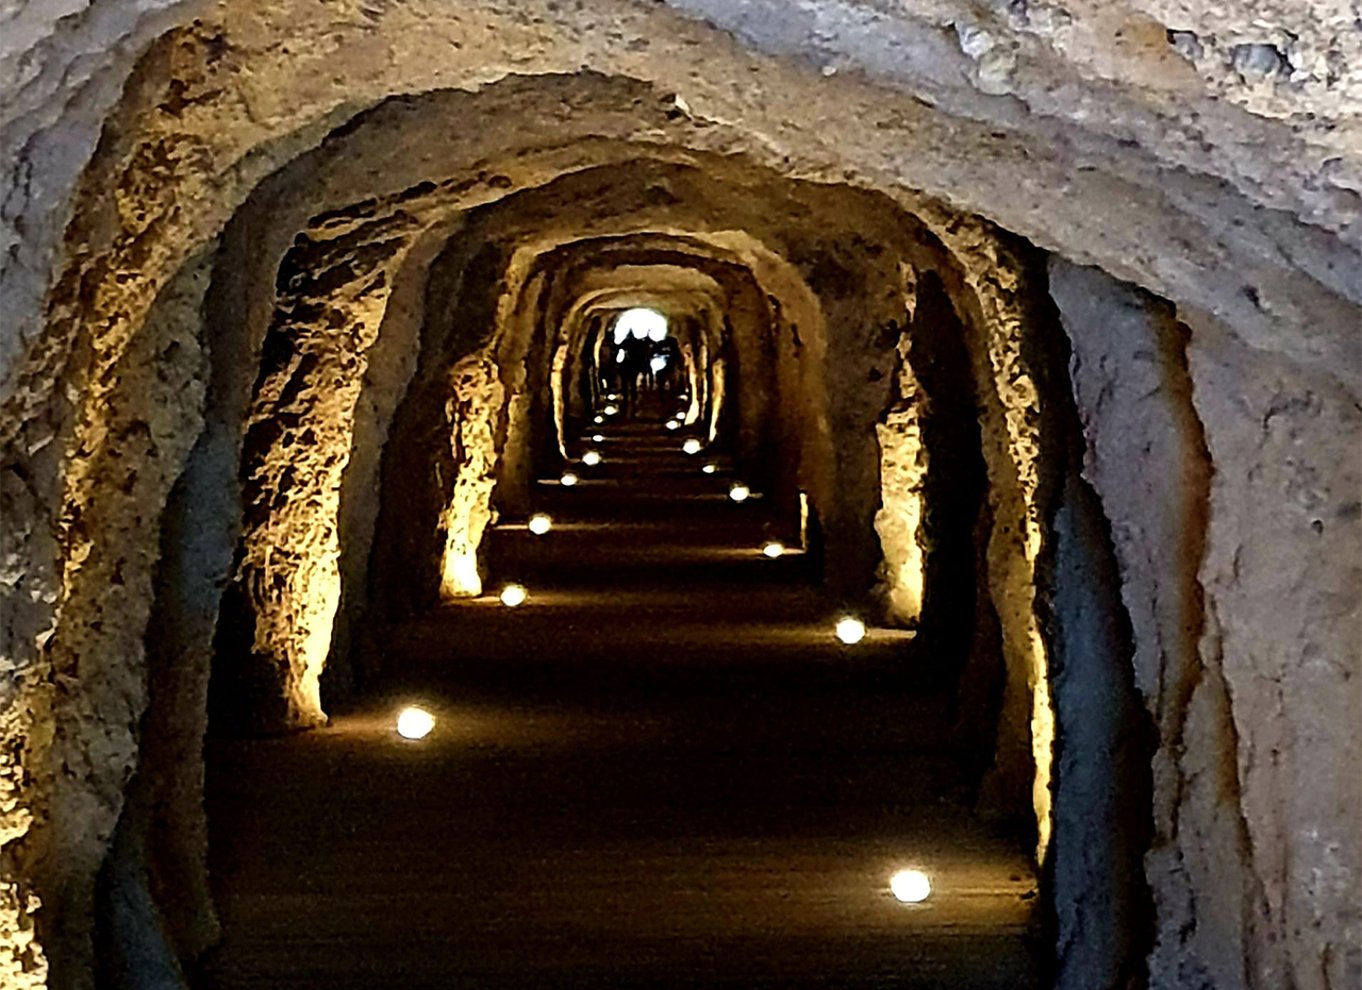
x=661 y=770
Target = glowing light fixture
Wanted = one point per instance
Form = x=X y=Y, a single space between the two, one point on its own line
x=910 y=886
x=540 y=523
x=613 y=397
x=739 y=492
x=568 y=479
x=673 y=424
x=414 y=723
x=773 y=548
x=591 y=458
x=513 y=595
x=850 y=630
x=598 y=438
x=691 y=446
x=611 y=410
x=598 y=420
x=710 y=468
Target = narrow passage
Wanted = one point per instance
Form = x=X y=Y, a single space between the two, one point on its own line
x=660 y=769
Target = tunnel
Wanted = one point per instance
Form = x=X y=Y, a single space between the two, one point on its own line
x=681 y=493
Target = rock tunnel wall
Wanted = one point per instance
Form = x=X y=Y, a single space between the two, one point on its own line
x=138 y=134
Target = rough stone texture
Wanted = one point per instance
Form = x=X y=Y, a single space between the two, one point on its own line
x=1012 y=411
x=1281 y=575
x=1104 y=737
x=95 y=740
x=473 y=413
x=297 y=444
x=1216 y=165
x=391 y=363
x=955 y=488
x=589 y=200
x=903 y=474
x=130 y=938
x=1101 y=769
x=1230 y=910
x=1147 y=459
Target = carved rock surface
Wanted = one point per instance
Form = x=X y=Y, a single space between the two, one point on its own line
x=1204 y=159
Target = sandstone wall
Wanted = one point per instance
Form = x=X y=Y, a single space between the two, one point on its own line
x=1210 y=461
x=1205 y=153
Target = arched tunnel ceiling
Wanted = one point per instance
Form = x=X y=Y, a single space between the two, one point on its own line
x=1206 y=152
x=728 y=219
x=1111 y=152
x=656 y=279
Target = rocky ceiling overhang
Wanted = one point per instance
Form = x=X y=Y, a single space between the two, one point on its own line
x=1112 y=135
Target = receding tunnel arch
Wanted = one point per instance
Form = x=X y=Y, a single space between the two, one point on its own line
x=639 y=321
x=335 y=227
x=475 y=502
x=141 y=261
x=477 y=509
x=480 y=375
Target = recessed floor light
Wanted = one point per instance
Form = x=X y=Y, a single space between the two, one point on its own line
x=414 y=723
x=910 y=886
x=850 y=630
x=513 y=595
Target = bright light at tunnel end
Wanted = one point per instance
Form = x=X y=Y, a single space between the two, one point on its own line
x=414 y=723
x=640 y=322
x=910 y=886
x=850 y=630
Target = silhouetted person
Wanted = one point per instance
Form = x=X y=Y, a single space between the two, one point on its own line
x=631 y=358
x=668 y=370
